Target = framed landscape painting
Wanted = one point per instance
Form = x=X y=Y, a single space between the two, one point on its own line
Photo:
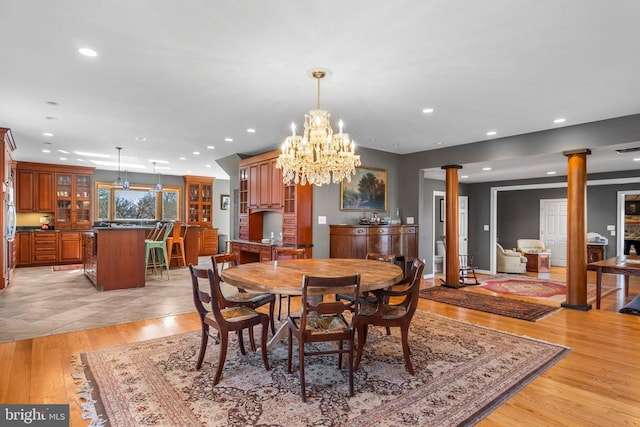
x=367 y=190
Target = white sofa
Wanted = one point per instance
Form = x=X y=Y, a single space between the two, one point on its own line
x=531 y=246
x=509 y=261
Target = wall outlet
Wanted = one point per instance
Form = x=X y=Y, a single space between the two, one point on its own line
x=409 y=220
x=486 y=227
x=322 y=219
x=613 y=232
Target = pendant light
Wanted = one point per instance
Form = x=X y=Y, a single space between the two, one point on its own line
x=158 y=186
x=125 y=183
x=118 y=181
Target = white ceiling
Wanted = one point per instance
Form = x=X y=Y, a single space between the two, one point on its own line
x=185 y=75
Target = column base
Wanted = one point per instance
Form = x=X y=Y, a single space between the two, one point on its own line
x=454 y=286
x=576 y=307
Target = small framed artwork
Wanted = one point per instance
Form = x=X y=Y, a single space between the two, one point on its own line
x=442 y=212
x=225 y=200
x=367 y=190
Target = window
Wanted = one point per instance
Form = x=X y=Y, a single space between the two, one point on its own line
x=138 y=203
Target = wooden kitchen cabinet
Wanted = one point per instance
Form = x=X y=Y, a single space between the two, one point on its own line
x=262 y=190
x=45 y=248
x=23 y=248
x=69 y=247
x=208 y=241
x=73 y=201
x=199 y=197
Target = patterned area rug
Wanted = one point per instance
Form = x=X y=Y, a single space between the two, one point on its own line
x=545 y=290
x=509 y=307
x=463 y=372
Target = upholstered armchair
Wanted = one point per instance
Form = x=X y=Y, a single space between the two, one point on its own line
x=509 y=261
x=531 y=246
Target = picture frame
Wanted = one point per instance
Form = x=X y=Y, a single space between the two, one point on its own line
x=442 y=212
x=225 y=201
x=367 y=190
x=632 y=207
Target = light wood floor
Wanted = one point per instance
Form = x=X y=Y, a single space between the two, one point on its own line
x=597 y=384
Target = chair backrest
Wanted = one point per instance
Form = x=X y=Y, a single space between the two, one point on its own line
x=154 y=232
x=410 y=287
x=219 y=262
x=291 y=253
x=168 y=228
x=313 y=287
x=466 y=261
x=212 y=296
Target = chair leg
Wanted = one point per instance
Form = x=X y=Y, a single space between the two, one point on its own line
x=181 y=246
x=166 y=263
x=224 y=341
x=241 y=342
x=340 y=347
x=362 y=339
x=351 y=391
x=289 y=350
x=288 y=305
x=203 y=345
x=252 y=341
x=405 y=348
x=271 y=319
x=263 y=343
x=303 y=391
x=279 y=305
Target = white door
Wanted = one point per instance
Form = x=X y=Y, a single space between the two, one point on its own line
x=463 y=225
x=553 y=229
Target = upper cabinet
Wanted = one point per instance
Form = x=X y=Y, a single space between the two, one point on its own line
x=73 y=201
x=199 y=200
x=64 y=190
x=34 y=190
x=264 y=182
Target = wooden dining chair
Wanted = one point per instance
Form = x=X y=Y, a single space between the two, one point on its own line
x=288 y=253
x=249 y=299
x=324 y=322
x=223 y=319
x=385 y=312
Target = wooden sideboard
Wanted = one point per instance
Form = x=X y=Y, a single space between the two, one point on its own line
x=596 y=252
x=355 y=241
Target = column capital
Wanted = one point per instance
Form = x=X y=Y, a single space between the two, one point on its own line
x=451 y=167
x=578 y=151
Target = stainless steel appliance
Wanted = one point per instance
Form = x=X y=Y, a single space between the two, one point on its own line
x=9 y=232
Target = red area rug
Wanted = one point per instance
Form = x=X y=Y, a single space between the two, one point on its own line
x=545 y=290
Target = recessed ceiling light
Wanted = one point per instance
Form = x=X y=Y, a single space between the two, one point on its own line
x=54 y=103
x=211 y=147
x=395 y=145
x=207 y=166
x=63 y=158
x=46 y=151
x=63 y=152
x=438 y=143
x=464 y=176
x=486 y=169
x=140 y=138
x=228 y=139
x=491 y=133
x=428 y=110
x=51 y=118
x=551 y=173
x=560 y=120
x=87 y=52
x=636 y=159
x=47 y=134
x=251 y=130
x=182 y=158
x=196 y=153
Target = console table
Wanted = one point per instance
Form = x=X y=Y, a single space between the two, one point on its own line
x=538 y=262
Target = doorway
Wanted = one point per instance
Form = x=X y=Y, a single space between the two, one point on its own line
x=553 y=229
x=439 y=226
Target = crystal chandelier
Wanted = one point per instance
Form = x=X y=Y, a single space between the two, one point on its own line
x=318 y=156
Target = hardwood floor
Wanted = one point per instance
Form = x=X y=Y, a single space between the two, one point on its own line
x=597 y=384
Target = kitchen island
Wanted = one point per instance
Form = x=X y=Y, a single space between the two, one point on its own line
x=113 y=257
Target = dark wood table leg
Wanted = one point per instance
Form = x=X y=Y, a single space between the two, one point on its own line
x=599 y=287
x=626 y=285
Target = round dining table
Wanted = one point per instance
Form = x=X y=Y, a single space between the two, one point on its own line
x=285 y=277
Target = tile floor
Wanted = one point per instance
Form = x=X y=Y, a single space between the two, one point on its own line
x=44 y=302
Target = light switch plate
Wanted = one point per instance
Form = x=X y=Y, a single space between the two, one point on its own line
x=322 y=219
x=613 y=232
x=611 y=227
x=409 y=220
x=486 y=227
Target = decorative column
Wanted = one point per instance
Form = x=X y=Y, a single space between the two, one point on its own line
x=452 y=265
x=576 y=274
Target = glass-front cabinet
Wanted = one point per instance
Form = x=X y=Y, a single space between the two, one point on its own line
x=73 y=201
x=199 y=200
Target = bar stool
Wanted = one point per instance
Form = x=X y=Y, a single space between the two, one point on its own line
x=159 y=244
x=176 y=241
